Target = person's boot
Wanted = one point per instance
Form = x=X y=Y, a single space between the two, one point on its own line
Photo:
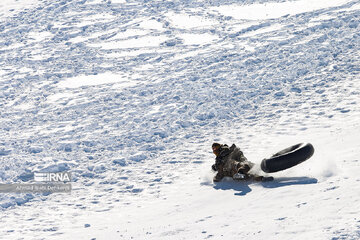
x=258 y=178
x=263 y=179
x=267 y=179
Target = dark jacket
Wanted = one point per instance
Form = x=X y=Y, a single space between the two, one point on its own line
x=230 y=161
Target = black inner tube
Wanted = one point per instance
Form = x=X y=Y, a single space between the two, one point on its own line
x=288 y=158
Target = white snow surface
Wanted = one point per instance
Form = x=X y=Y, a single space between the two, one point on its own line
x=130 y=95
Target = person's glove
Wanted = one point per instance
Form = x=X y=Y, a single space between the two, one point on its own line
x=243 y=168
x=214 y=168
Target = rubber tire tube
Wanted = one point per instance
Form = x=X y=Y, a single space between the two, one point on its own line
x=288 y=158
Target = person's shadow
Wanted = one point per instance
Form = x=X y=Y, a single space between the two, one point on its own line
x=242 y=187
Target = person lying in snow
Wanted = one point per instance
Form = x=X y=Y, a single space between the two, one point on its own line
x=231 y=162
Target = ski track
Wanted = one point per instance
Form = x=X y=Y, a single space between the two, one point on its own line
x=168 y=79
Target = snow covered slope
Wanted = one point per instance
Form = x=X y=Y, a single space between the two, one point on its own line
x=130 y=95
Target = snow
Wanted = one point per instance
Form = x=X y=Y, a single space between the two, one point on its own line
x=139 y=42
x=129 y=96
x=83 y=80
x=10 y=8
x=187 y=21
x=260 y=11
x=197 y=39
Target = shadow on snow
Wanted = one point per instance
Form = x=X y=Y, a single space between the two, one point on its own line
x=242 y=188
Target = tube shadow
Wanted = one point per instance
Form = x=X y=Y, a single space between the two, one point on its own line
x=242 y=188
x=288 y=181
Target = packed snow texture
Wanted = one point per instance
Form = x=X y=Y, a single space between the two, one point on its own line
x=129 y=96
